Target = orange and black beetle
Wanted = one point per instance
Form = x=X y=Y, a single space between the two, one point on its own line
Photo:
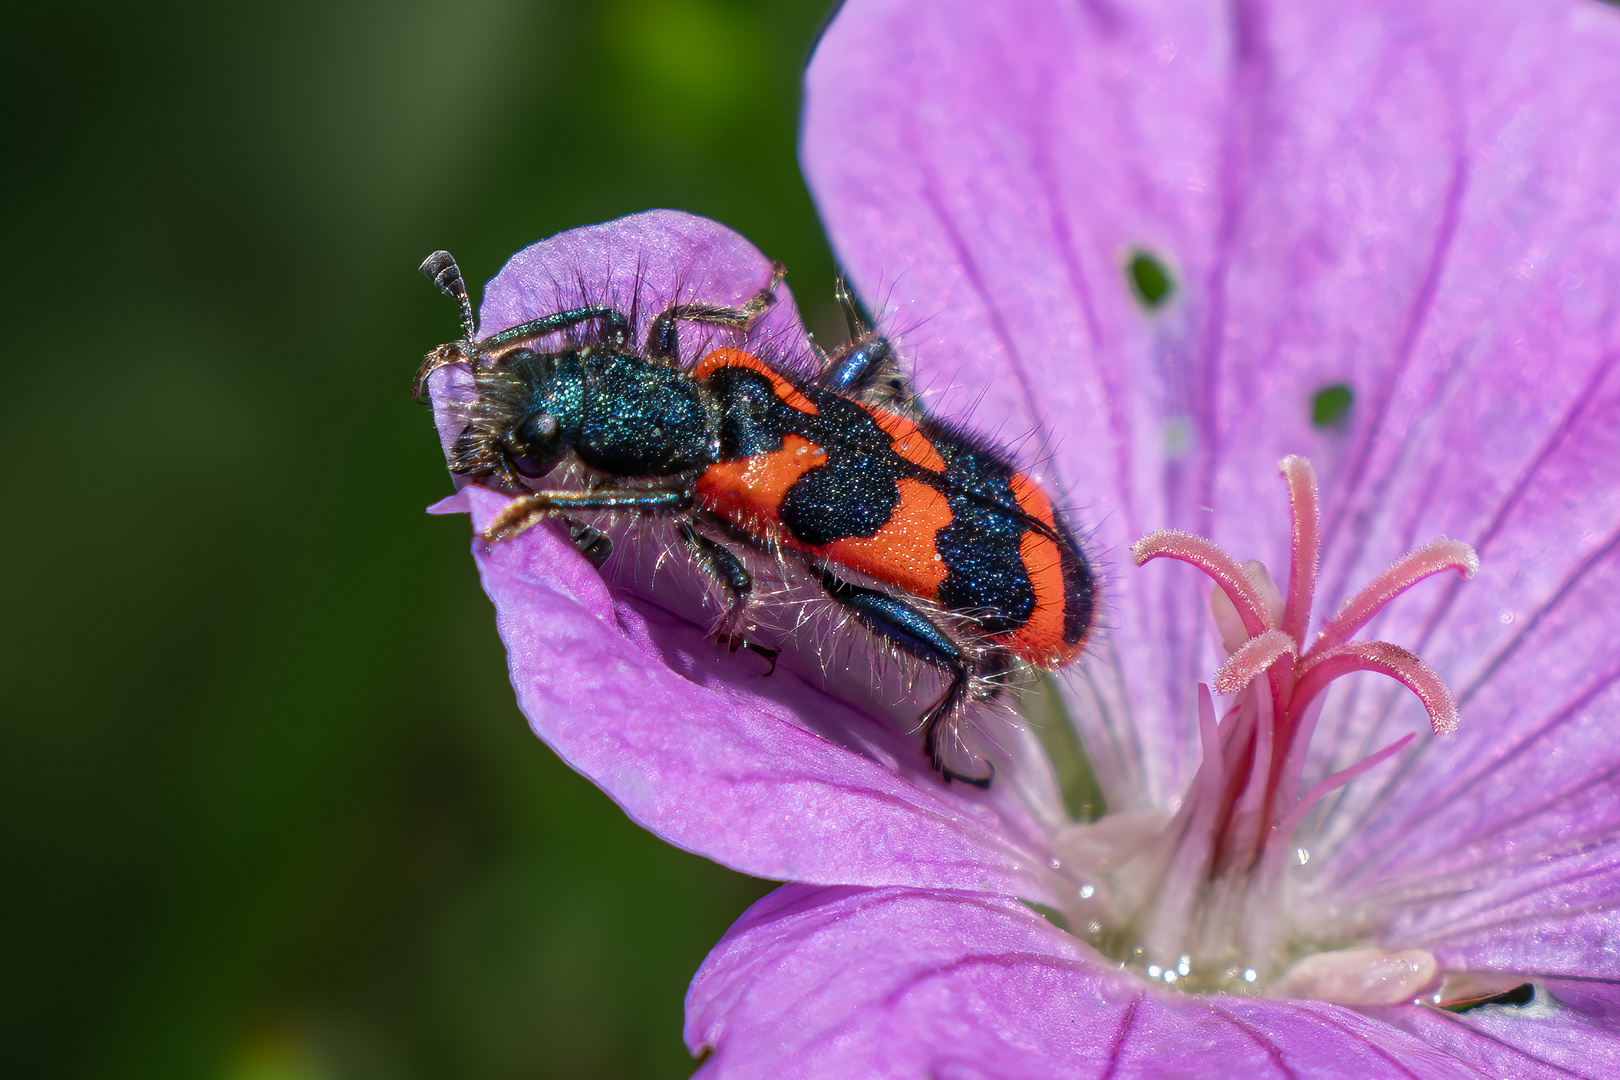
x=970 y=567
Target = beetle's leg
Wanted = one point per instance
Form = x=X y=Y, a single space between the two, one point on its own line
x=991 y=673
x=589 y=541
x=853 y=365
x=614 y=321
x=663 y=339
x=444 y=356
x=718 y=562
x=911 y=631
x=460 y=352
x=864 y=366
x=723 y=566
x=526 y=511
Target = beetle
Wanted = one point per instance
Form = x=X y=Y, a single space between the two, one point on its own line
x=921 y=531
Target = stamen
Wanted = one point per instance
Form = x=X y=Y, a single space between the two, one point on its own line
x=1201 y=552
x=1306 y=509
x=1196 y=831
x=1421 y=562
x=1214 y=878
x=1253 y=657
x=1327 y=786
x=1319 y=669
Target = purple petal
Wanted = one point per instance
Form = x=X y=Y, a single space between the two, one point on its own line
x=1569 y=1028
x=1415 y=198
x=889 y=982
x=774 y=776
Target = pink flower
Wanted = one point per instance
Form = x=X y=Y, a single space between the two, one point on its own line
x=1170 y=243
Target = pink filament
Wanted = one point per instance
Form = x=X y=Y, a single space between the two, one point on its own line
x=1332 y=783
x=1243 y=808
x=1253 y=657
x=1204 y=554
x=1421 y=562
x=1306 y=511
x=1319 y=669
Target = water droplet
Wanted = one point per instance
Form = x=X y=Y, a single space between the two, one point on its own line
x=1170 y=976
x=1154 y=971
x=1087 y=891
x=1302 y=856
x=1506 y=617
x=1249 y=975
x=1184 y=965
x=1056 y=864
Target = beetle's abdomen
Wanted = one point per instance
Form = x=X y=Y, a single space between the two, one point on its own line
x=933 y=514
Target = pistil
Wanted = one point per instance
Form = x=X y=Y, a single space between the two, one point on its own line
x=1207 y=895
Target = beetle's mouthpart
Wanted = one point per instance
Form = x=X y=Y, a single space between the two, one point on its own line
x=1199 y=907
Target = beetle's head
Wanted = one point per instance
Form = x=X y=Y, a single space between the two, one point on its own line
x=520 y=419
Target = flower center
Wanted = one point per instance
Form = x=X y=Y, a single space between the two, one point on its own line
x=1200 y=905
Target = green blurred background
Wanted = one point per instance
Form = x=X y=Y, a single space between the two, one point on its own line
x=270 y=812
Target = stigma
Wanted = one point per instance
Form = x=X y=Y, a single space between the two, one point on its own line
x=1198 y=903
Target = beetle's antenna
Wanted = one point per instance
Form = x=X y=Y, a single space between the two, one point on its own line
x=856 y=314
x=441 y=269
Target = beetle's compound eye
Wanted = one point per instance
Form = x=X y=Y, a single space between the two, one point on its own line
x=536 y=445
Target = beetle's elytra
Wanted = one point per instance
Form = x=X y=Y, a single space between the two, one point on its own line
x=967 y=565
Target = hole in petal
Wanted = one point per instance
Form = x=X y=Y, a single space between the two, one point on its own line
x=1330 y=407
x=1178 y=437
x=1150 y=280
x=1050 y=914
x=1518 y=996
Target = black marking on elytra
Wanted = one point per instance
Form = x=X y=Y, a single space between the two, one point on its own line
x=751 y=421
x=980 y=547
x=855 y=491
x=1079 y=587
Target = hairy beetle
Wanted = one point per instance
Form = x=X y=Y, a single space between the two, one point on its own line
x=919 y=530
